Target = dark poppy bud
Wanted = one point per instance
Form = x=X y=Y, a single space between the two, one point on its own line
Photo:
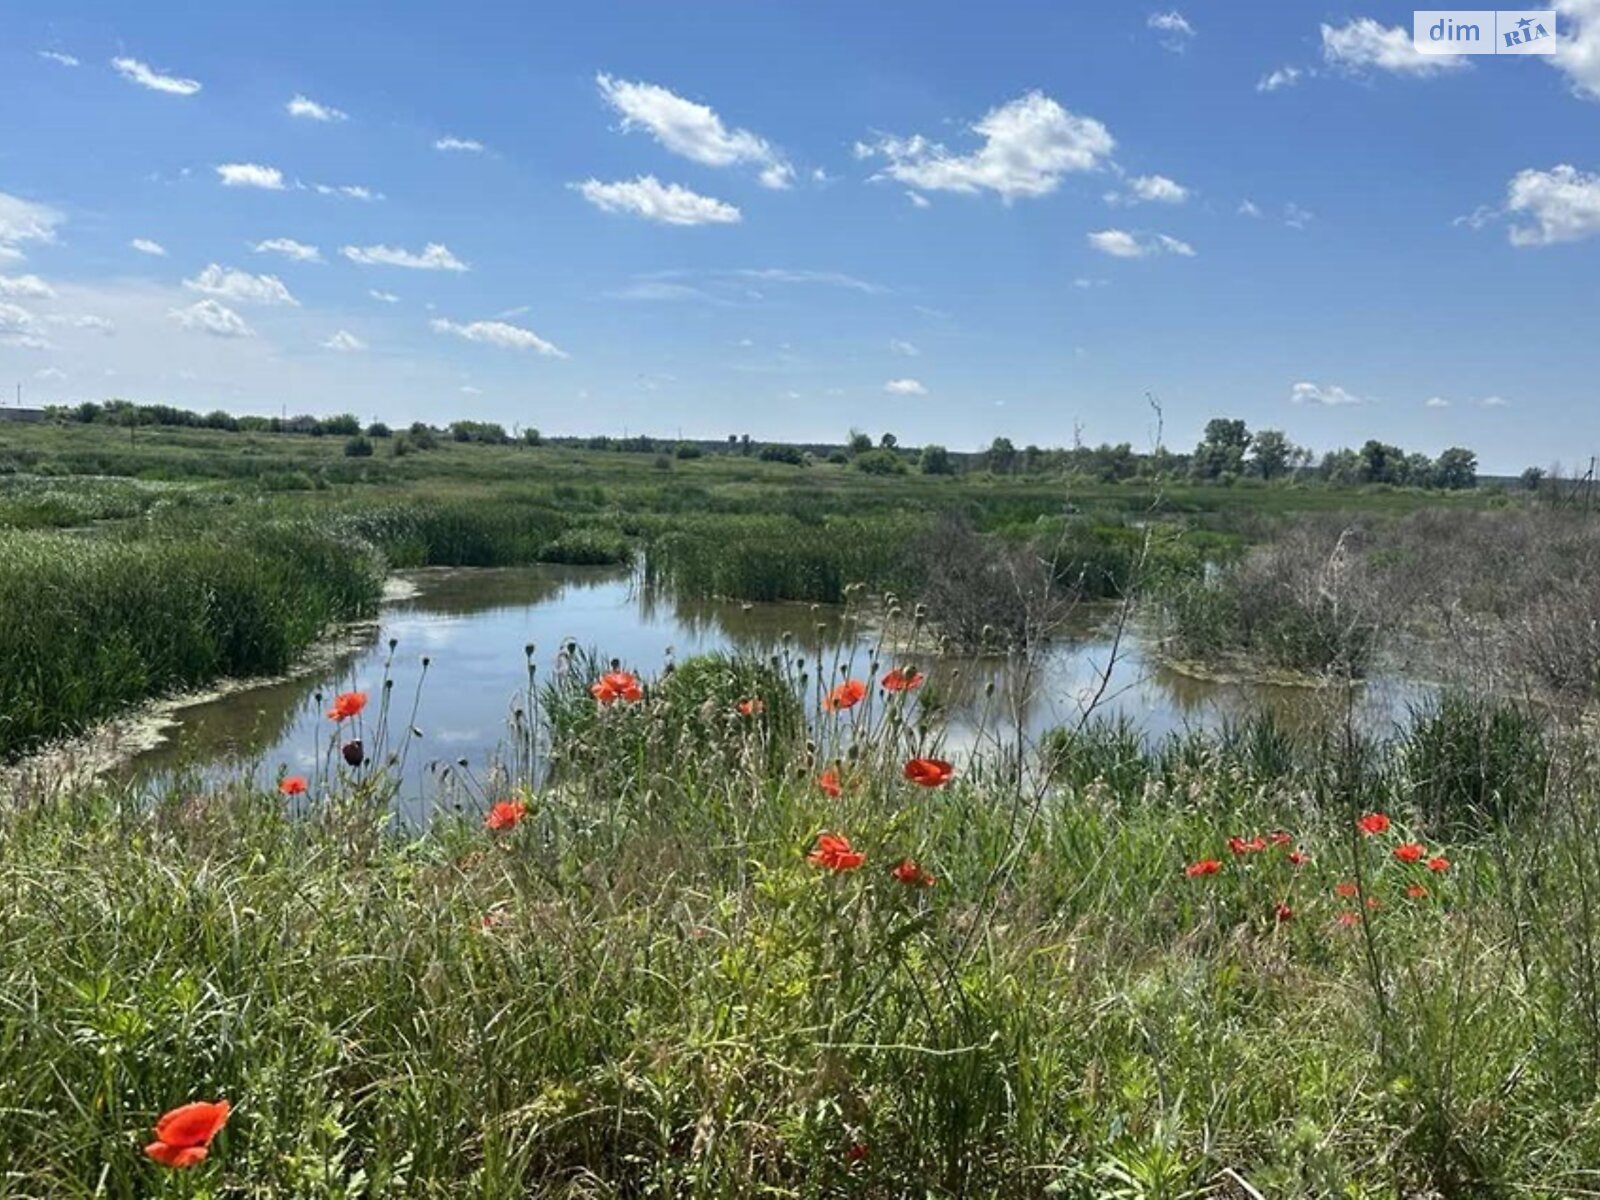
x=354 y=753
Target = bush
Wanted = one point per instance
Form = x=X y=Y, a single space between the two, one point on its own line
x=1473 y=764
x=880 y=462
x=358 y=447
x=792 y=455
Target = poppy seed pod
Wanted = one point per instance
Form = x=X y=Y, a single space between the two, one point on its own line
x=353 y=752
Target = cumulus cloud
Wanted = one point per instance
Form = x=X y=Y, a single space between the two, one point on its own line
x=499 y=333
x=250 y=175
x=345 y=342
x=1363 y=44
x=667 y=204
x=1578 y=46
x=1029 y=145
x=55 y=56
x=435 y=256
x=147 y=246
x=25 y=287
x=1563 y=203
x=1494 y=402
x=1436 y=402
x=1120 y=243
x=905 y=387
x=135 y=71
x=692 y=130
x=1174 y=28
x=304 y=106
x=19 y=327
x=24 y=221
x=289 y=248
x=1330 y=396
x=1283 y=77
x=213 y=317
x=468 y=145
x=240 y=286
x=1157 y=188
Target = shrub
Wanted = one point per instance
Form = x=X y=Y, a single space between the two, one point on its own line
x=358 y=447
x=1473 y=764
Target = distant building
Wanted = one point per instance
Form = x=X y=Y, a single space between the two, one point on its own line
x=21 y=414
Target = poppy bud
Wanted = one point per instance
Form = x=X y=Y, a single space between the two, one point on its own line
x=528 y=650
x=393 y=642
x=354 y=753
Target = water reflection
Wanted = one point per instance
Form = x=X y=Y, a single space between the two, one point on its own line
x=472 y=627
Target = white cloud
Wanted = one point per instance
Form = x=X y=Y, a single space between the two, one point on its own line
x=905 y=387
x=693 y=130
x=1247 y=208
x=1158 y=188
x=435 y=256
x=499 y=333
x=345 y=342
x=1331 y=396
x=827 y=278
x=468 y=390
x=1119 y=243
x=85 y=321
x=146 y=246
x=384 y=297
x=25 y=287
x=50 y=373
x=135 y=71
x=208 y=316
x=899 y=346
x=1085 y=283
x=1436 y=402
x=1296 y=217
x=289 y=248
x=19 y=327
x=304 y=106
x=250 y=175
x=1175 y=30
x=24 y=221
x=469 y=145
x=1028 y=146
x=240 y=286
x=1563 y=202
x=668 y=204
x=1578 y=45
x=349 y=190
x=1494 y=402
x=55 y=56
x=1363 y=43
x=1283 y=77
x=918 y=200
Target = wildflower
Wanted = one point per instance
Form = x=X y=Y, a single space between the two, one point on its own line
x=347 y=705
x=847 y=695
x=1438 y=864
x=1416 y=891
x=828 y=781
x=1348 y=918
x=1283 y=913
x=753 y=707
x=1374 y=903
x=1345 y=889
x=353 y=752
x=1240 y=845
x=856 y=1153
x=1373 y=823
x=183 y=1135
x=1206 y=866
x=901 y=680
x=910 y=874
x=1298 y=858
x=929 y=772
x=1279 y=838
x=834 y=852
x=617 y=685
x=293 y=785
x=1409 y=852
x=505 y=814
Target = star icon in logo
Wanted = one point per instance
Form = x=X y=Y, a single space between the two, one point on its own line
x=1524 y=23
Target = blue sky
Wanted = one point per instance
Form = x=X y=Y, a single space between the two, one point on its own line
x=948 y=220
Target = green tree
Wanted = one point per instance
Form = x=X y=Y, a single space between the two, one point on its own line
x=1002 y=456
x=1221 y=450
x=936 y=460
x=1456 y=468
x=859 y=442
x=1271 y=452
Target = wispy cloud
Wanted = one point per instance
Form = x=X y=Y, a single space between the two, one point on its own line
x=240 y=286
x=252 y=175
x=467 y=145
x=435 y=256
x=345 y=342
x=25 y=221
x=210 y=316
x=499 y=333
x=309 y=109
x=692 y=130
x=1330 y=396
x=1363 y=44
x=1283 y=77
x=19 y=327
x=350 y=191
x=147 y=246
x=1174 y=29
x=383 y=297
x=289 y=248
x=1120 y=243
x=25 y=287
x=56 y=56
x=135 y=71
x=905 y=387
x=666 y=204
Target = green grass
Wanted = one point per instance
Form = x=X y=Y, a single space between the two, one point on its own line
x=668 y=1000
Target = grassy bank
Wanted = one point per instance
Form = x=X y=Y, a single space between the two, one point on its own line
x=645 y=988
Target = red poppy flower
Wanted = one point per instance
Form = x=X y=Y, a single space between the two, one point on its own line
x=753 y=707
x=1347 y=919
x=293 y=785
x=505 y=814
x=1279 y=838
x=847 y=695
x=1373 y=823
x=1416 y=891
x=910 y=874
x=929 y=772
x=900 y=680
x=183 y=1135
x=856 y=1153
x=829 y=782
x=834 y=852
x=1374 y=903
x=1409 y=852
x=1240 y=845
x=617 y=685
x=347 y=705
x=1206 y=866
x=1438 y=864
x=1298 y=858
x=1283 y=913
x=1346 y=890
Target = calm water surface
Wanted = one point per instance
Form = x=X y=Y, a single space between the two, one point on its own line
x=473 y=625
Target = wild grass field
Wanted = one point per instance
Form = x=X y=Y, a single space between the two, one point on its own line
x=730 y=941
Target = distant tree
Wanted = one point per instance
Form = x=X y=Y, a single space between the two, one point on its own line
x=687 y=450
x=532 y=437
x=744 y=443
x=880 y=462
x=1271 y=453
x=1002 y=456
x=792 y=455
x=358 y=447
x=1532 y=478
x=343 y=425
x=888 y=441
x=1416 y=470
x=1380 y=462
x=379 y=430
x=1221 y=450
x=859 y=442
x=1456 y=469
x=662 y=462
x=935 y=460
